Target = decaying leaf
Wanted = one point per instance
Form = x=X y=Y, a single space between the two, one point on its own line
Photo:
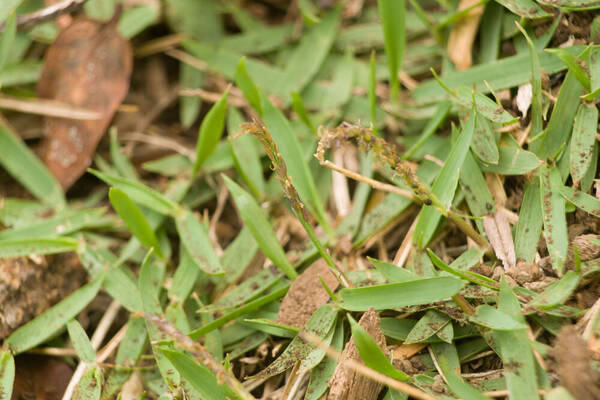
x=347 y=384
x=498 y=231
x=87 y=66
x=462 y=36
x=306 y=295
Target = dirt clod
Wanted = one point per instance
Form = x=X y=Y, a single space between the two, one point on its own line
x=525 y=272
x=306 y=295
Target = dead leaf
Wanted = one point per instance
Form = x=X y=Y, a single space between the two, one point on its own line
x=88 y=66
x=346 y=384
x=306 y=295
x=524 y=96
x=497 y=228
x=462 y=36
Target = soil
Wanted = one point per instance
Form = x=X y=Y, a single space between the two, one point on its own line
x=306 y=294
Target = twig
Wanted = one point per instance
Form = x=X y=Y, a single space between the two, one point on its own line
x=202 y=354
x=366 y=371
x=49 y=108
x=28 y=21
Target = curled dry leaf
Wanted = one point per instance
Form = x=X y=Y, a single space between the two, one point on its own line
x=306 y=295
x=462 y=36
x=88 y=66
x=347 y=384
x=498 y=231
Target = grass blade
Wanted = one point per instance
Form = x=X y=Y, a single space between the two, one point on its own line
x=583 y=140
x=484 y=142
x=247 y=86
x=211 y=130
x=582 y=200
x=493 y=318
x=47 y=324
x=194 y=236
x=7 y=38
x=393 y=14
x=81 y=342
x=7 y=374
x=27 y=169
x=134 y=219
x=557 y=292
x=395 y=295
x=260 y=228
x=25 y=247
x=555 y=221
x=529 y=225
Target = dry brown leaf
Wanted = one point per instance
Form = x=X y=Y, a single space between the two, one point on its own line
x=88 y=66
x=306 y=294
x=346 y=384
x=463 y=35
x=497 y=228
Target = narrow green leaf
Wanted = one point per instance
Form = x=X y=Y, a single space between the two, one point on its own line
x=371 y=353
x=484 y=105
x=90 y=385
x=555 y=220
x=300 y=110
x=557 y=292
x=536 y=86
x=121 y=162
x=260 y=227
x=7 y=374
x=393 y=15
x=396 y=295
x=430 y=324
x=196 y=374
x=25 y=247
x=140 y=193
x=211 y=130
x=583 y=140
x=319 y=324
x=446 y=357
x=393 y=273
x=594 y=66
x=189 y=106
x=247 y=86
x=484 y=142
x=320 y=376
x=441 y=112
x=529 y=225
x=492 y=318
x=490 y=33
x=582 y=200
x=27 y=169
x=474 y=186
x=245 y=291
x=185 y=276
x=573 y=65
x=524 y=8
x=445 y=184
x=81 y=342
x=342 y=83
x=52 y=320
x=373 y=94
x=134 y=219
x=7 y=38
x=513 y=160
x=306 y=59
x=194 y=237
x=473 y=277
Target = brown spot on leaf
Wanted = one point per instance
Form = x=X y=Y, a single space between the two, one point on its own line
x=87 y=66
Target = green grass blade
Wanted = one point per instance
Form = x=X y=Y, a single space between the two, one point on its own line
x=301 y=112
x=121 y=162
x=395 y=295
x=7 y=39
x=189 y=106
x=194 y=236
x=23 y=165
x=260 y=228
x=341 y=84
x=7 y=374
x=81 y=342
x=430 y=324
x=196 y=374
x=319 y=377
x=594 y=66
x=393 y=15
x=474 y=186
x=529 y=225
x=247 y=86
x=393 y=273
x=490 y=32
x=573 y=65
x=140 y=193
x=446 y=357
x=557 y=292
x=582 y=200
x=90 y=385
x=47 y=324
x=493 y=318
x=553 y=213
x=371 y=353
x=559 y=127
x=445 y=184
x=25 y=247
x=134 y=219
x=306 y=59
x=536 y=86
x=583 y=140
x=484 y=142
x=211 y=130
x=319 y=324
x=524 y=8
x=441 y=112
x=513 y=160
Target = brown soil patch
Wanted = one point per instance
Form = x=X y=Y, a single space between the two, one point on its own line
x=306 y=294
